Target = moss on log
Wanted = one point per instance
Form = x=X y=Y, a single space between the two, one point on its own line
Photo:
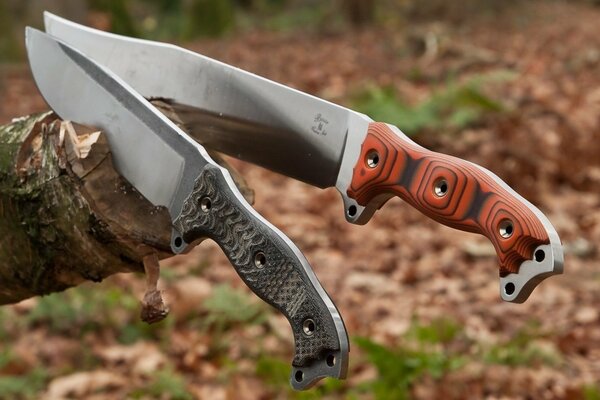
x=65 y=219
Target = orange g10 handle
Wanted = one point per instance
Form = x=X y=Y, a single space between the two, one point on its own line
x=454 y=192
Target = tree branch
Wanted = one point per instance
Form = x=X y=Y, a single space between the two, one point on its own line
x=66 y=216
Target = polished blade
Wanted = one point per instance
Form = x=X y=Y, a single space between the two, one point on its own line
x=147 y=149
x=233 y=111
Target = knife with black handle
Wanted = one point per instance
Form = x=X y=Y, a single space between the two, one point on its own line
x=173 y=171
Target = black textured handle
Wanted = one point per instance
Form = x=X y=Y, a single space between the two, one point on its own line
x=266 y=261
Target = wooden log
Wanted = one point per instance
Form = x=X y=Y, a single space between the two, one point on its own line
x=66 y=215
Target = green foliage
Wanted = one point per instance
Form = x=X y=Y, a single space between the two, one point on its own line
x=399 y=368
x=455 y=106
x=21 y=385
x=422 y=353
x=5 y=317
x=306 y=16
x=26 y=386
x=273 y=370
x=9 y=49
x=80 y=310
x=168 y=19
x=442 y=330
x=120 y=17
x=6 y=356
x=591 y=392
x=521 y=350
x=228 y=306
x=209 y=18
x=276 y=373
x=165 y=384
x=135 y=329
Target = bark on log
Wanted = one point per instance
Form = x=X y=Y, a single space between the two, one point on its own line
x=66 y=216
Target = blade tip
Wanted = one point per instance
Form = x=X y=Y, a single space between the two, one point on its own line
x=48 y=19
x=33 y=36
x=30 y=34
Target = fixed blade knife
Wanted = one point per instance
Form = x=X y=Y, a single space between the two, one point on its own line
x=173 y=171
x=323 y=144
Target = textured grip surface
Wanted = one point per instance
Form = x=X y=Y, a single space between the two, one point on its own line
x=213 y=211
x=449 y=190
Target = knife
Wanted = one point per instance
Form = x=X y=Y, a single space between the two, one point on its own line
x=323 y=144
x=172 y=170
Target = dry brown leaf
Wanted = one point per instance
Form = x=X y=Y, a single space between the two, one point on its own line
x=81 y=384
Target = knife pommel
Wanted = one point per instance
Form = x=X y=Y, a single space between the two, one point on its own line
x=454 y=192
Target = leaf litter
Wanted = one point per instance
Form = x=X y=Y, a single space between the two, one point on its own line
x=398 y=275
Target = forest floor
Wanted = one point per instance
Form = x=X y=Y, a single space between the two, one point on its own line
x=517 y=92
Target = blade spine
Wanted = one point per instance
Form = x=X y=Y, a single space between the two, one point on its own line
x=54 y=18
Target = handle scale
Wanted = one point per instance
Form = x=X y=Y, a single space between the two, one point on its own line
x=266 y=262
x=452 y=191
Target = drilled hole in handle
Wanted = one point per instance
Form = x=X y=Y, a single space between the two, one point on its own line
x=539 y=255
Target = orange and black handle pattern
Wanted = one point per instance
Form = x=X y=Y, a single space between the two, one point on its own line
x=452 y=191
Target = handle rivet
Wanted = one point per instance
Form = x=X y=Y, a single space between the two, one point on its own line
x=372 y=159
x=506 y=228
x=308 y=327
x=440 y=188
x=205 y=204
x=260 y=260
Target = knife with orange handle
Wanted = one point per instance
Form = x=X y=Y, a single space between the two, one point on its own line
x=323 y=144
x=461 y=195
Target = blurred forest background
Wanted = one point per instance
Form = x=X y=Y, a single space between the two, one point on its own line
x=513 y=85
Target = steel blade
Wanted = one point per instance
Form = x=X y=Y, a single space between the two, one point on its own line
x=236 y=112
x=147 y=148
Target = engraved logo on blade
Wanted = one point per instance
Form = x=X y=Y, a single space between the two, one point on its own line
x=319 y=125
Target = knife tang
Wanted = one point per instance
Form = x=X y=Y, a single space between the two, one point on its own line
x=272 y=269
x=454 y=192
